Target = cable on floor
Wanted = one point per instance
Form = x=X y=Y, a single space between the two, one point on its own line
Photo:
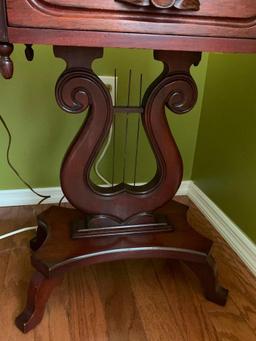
x=21 y=230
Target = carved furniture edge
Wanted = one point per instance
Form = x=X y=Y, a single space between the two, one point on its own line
x=119 y=17
x=192 y=5
x=51 y=261
x=3 y=22
x=21 y=35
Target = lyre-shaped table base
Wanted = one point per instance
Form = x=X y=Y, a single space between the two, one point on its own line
x=55 y=252
x=121 y=221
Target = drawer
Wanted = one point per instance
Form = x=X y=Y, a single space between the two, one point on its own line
x=219 y=18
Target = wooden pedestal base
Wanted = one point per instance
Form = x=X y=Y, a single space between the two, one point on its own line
x=55 y=252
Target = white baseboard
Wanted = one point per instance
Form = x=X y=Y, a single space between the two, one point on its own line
x=184 y=187
x=22 y=197
x=233 y=235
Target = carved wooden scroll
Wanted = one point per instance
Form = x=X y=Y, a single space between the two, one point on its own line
x=192 y=5
x=78 y=88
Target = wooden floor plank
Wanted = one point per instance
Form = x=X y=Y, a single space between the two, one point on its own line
x=12 y=288
x=136 y=300
x=237 y=321
x=84 y=307
x=121 y=312
x=228 y=322
x=159 y=318
x=190 y=317
x=240 y=282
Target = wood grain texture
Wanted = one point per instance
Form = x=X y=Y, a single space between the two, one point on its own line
x=230 y=8
x=131 y=40
x=40 y=290
x=220 y=19
x=128 y=300
x=187 y=5
x=6 y=64
x=3 y=24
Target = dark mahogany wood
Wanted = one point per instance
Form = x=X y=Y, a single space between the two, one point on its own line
x=123 y=221
x=192 y=5
x=59 y=253
x=29 y=52
x=6 y=64
x=98 y=226
x=3 y=23
x=39 y=291
x=222 y=26
x=206 y=273
x=131 y=40
x=78 y=88
x=219 y=18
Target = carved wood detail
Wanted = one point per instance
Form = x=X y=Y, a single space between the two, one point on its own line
x=192 y=5
x=59 y=253
x=79 y=88
x=6 y=64
x=40 y=289
x=3 y=23
x=236 y=19
x=29 y=52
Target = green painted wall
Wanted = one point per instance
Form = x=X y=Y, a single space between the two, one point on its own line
x=42 y=132
x=225 y=158
x=223 y=154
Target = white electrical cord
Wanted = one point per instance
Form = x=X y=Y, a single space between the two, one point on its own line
x=10 y=234
x=105 y=149
x=102 y=155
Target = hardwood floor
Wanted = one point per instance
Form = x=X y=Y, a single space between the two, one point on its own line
x=136 y=300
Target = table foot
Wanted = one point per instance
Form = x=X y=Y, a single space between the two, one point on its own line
x=39 y=291
x=56 y=252
x=207 y=275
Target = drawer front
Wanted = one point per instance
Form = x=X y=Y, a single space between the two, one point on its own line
x=219 y=18
x=212 y=8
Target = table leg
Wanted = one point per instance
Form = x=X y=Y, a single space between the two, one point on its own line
x=39 y=291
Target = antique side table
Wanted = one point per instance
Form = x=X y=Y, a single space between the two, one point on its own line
x=122 y=220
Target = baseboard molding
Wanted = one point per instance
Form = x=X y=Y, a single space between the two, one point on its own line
x=233 y=235
x=22 y=197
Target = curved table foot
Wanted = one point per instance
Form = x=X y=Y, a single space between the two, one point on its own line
x=39 y=291
x=207 y=274
x=55 y=253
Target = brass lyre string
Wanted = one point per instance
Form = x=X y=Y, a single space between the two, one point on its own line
x=114 y=130
x=138 y=134
x=126 y=125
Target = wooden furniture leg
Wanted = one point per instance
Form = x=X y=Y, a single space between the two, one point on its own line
x=59 y=253
x=39 y=291
x=6 y=64
x=207 y=274
x=121 y=221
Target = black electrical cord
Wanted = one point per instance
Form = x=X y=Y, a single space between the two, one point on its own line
x=44 y=197
x=61 y=200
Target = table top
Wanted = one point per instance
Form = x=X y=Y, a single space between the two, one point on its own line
x=195 y=25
